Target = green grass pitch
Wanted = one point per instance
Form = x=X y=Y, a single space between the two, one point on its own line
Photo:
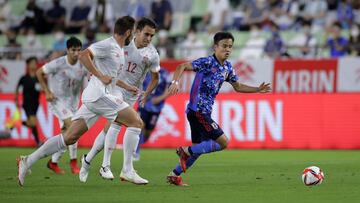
x=228 y=176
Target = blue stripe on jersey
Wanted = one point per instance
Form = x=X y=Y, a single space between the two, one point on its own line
x=194 y=93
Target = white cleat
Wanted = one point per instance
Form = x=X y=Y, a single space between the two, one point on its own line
x=105 y=172
x=84 y=170
x=133 y=177
x=23 y=169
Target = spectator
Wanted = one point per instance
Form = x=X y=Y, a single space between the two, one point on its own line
x=55 y=16
x=257 y=11
x=354 y=41
x=315 y=12
x=337 y=43
x=274 y=47
x=33 y=18
x=32 y=45
x=13 y=48
x=90 y=36
x=165 y=46
x=136 y=9
x=345 y=14
x=59 y=45
x=161 y=12
x=78 y=18
x=192 y=47
x=5 y=13
x=254 y=46
x=304 y=44
x=216 y=15
x=101 y=16
x=285 y=14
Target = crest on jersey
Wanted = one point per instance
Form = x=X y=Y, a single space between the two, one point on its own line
x=215 y=125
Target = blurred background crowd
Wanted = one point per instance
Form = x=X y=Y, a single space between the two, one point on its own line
x=272 y=28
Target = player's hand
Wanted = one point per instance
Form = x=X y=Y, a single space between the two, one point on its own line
x=143 y=99
x=49 y=96
x=134 y=90
x=105 y=79
x=173 y=88
x=264 y=88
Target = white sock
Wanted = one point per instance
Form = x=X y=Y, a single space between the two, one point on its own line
x=73 y=151
x=130 y=142
x=51 y=146
x=55 y=158
x=110 y=143
x=96 y=147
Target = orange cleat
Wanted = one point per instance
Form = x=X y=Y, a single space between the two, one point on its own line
x=74 y=167
x=183 y=158
x=176 y=180
x=55 y=167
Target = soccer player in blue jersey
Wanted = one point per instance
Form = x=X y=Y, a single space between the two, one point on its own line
x=153 y=105
x=211 y=72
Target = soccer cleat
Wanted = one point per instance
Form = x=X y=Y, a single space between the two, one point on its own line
x=23 y=169
x=175 y=180
x=183 y=157
x=74 y=167
x=84 y=170
x=105 y=172
x=55 y=167
x=133 y=177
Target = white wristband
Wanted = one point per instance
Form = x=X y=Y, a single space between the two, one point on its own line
x=175 y=81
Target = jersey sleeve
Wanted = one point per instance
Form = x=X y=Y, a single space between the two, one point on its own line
x=232 y=77
x=21 y=81
x=51 y=67
x=200 y=64
x=155 y=63
x=100 y=49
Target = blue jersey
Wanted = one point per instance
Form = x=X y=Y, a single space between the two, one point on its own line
x=209 y=78
x=159 y=90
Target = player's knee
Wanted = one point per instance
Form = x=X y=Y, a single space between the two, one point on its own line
x=224 y=145
x=70 y=139
x=139 y=123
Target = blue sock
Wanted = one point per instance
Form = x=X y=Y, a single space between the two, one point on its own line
x=141 y=141
x=204 y=147
x=189 y=163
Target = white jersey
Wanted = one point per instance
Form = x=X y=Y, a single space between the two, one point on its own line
x=108 y=59
x=65 y=81
x=138 y=62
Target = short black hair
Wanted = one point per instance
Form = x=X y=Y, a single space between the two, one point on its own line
x=31 y=58
x=124 y=24
x=73 y=42
x=145 y=22
x=223 y=35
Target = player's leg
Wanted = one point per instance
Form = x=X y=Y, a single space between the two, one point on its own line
x=134 y=124
x=83 y=119
x=72 y=151
x=109 y=146
x=53 y=163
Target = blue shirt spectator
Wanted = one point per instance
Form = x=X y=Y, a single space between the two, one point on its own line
x=161 y=12
x=345 y=14
x=337 y=46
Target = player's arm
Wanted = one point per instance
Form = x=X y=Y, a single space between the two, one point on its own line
x=85 y=58
x=157 y=100
x=239 y=87
x=174 y=87
x=16 y=99
x=153 y=83
x=40 y=74
x=134 y=90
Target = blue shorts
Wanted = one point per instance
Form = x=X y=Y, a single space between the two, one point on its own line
x=149 y=118
x=203 y=127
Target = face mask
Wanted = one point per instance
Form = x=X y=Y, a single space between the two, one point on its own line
x=59 y=36
x=191 y=37
x=30 y=38
x=254 y=34
x=354 y=32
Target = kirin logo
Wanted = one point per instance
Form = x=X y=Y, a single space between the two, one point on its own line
x=166 y=125
x=244 y=71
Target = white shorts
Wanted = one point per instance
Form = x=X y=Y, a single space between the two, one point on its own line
x=61 y=111
x=107 y=106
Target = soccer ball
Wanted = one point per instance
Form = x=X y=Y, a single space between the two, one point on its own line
x=312 y=175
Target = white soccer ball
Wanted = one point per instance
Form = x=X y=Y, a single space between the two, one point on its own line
x=312 y=175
